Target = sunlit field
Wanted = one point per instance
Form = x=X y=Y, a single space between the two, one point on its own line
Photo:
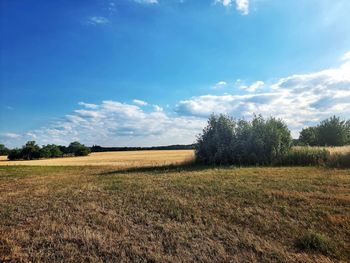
x=124 y=209
x=123 y=159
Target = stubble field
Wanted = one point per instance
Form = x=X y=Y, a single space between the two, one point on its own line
x=140 y=213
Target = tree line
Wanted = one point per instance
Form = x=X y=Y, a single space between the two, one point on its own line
x=264 y=141
x=31 y=151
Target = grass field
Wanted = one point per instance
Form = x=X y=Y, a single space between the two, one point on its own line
x=173 y=214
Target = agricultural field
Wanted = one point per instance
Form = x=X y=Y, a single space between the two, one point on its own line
x=121 y=159
x=144 y=210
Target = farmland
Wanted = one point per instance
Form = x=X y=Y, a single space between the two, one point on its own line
x=120 y=159
x=134 y=211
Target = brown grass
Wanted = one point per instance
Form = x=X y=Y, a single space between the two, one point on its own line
x=121 y=159
x=172 y=214
x=332 y=150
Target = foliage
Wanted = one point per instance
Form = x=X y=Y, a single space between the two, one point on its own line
x=31 y=151
x=50 y=151
x=313 y=241
x=305 y=156
x=330 y=132
x=78 y=149
x=3 y=150
x=229 y=141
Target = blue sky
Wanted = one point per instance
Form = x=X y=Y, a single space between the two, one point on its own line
x=148 y=72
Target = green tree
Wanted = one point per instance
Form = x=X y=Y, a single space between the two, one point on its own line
x=3 y=150
x=50 y=151
x=228 y=141
x=308 y=136
x=30 y=151
x=78 y=149
x=333 y=132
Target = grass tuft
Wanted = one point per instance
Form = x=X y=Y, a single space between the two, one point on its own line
x=316 y=242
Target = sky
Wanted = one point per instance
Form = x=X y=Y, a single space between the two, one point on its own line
x=150 y=72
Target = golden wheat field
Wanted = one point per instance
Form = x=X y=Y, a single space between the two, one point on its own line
x=123 y=159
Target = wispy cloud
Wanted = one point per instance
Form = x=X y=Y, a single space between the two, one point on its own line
x=220 y=84
x=97 y=20
x=140 y=102
x=253 y=87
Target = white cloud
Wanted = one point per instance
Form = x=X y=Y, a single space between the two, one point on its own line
x=299 y=99
x=253 y=87
x=140 y=102
x=346 y=56
x=11 y=135
x=88 y=105
x=157 y=108
x=220 y=84
x=115 y=124
x=241 y=5
x=97 y=20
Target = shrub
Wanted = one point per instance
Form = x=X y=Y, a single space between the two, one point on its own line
x=305 y=156
x=228 y=141
x=312 y=241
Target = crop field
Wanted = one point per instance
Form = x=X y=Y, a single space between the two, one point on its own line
x=121 y=159
x=182 y=213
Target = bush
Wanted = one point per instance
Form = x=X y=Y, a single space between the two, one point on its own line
x=256 y=142
x=305 y=156
x=312 y=241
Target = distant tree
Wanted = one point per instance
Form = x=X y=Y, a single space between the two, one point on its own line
x=308 y=136
x=3 y=150
x=30 y=151
x=78 y=149
x=15 y=154
x=228 y=141
x=50 y=151
x=330 y=132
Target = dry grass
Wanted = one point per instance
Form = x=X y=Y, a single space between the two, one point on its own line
x=332 y=150
x=173 y=214
x=122 y=159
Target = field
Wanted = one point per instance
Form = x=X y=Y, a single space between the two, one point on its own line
x=120 y=159
x=133 y=212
